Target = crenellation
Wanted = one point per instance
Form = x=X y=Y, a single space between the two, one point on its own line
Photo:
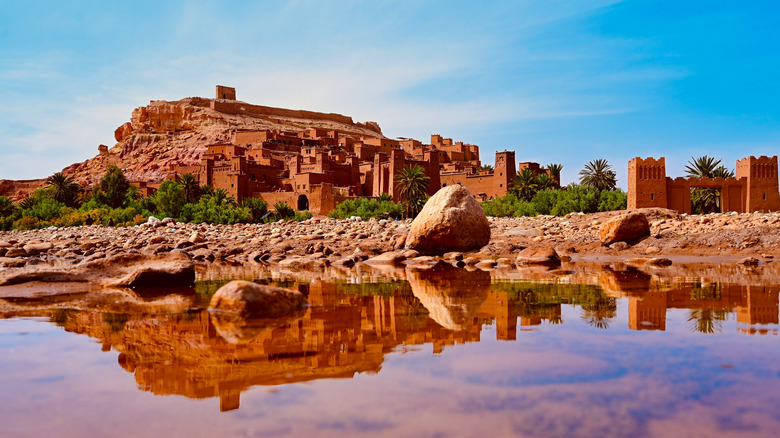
x=754 y=187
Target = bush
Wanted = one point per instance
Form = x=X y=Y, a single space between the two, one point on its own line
x=368 y=208
x=212 y=209
x=257 y=208
x=169 y=199
x=559 y=202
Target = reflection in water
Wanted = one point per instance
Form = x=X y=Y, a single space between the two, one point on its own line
x=452 y=296
x=173 y=346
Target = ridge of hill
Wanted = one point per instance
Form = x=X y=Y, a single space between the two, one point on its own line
x=168 y=133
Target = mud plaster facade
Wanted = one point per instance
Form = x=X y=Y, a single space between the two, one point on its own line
x=316 y=169
x=754 y=188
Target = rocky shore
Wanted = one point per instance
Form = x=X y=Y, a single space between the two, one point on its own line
x=317 y=242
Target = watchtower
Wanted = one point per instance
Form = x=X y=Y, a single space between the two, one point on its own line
x=762 y=183
x=226 y=93
x=504 y=172
x=647 y=183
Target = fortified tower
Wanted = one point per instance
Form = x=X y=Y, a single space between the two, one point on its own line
x=226 y=93
x=762 y=183
x=504 y=172
x=647 y=183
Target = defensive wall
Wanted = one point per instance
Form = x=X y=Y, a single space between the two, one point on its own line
x=754 y=187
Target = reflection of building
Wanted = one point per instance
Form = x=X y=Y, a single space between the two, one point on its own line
x=755 y=187
x=752 y=304
x=345 y=332
x=317 y=168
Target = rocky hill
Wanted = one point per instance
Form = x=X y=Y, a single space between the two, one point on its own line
x=164 y=133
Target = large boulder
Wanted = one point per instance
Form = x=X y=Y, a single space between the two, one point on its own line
x=249 y=299
x=451 y=220
x=624 y=228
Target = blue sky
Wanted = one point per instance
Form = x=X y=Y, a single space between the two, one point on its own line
x=556 y=81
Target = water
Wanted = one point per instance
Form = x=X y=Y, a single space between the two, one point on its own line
x=588 y=352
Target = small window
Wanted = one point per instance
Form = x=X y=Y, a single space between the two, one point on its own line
x=764 y=196
x=651 y=196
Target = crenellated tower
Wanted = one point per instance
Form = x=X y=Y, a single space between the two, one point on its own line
x=762 y=182
x=647 y=183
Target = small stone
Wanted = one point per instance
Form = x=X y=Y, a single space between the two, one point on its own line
x=749 y=261
x=538 y=256
x=659 y=261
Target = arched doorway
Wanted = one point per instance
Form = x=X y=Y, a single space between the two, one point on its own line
x=303 y=203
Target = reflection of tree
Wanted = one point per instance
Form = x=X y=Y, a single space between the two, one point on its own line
x=529 y=304
x=707 y=320
x=116 y=321
x=599 y=311
x=704 y=292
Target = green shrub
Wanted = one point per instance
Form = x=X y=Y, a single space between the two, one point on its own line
x=257 y=208
x=558 y=202
x=368 y=208
x=169 y=199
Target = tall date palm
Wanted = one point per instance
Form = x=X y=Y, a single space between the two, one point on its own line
x=412 y=184
x=63 y=189
x=599 y=175
x=706 y=200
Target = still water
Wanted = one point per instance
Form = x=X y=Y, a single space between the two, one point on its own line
x=588 y=352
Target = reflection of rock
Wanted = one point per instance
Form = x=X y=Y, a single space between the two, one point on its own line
x=252 y=300
x=135 y=270
x=76 y=296
x=452 y=296
x=631 y=282
x=239 y=330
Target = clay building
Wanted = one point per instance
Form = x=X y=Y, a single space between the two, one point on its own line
x=315 y=169
x=754 y=188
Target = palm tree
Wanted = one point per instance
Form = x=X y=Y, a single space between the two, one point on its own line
x=555 y=172
x=207 y=190
x=545 y=181
x=525 y=184
x=600 y=311
x=485 y=167
x=191 y=187
x=702 y=167
x=7 y=206
x=222 y=197
x=63 y=189
x=706 y=200
x=707 y=320
x=599 y=175
x=412 y=184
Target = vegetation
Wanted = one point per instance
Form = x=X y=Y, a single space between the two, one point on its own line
x=706 y=200
x=555 y=172
x=557 y=202
x=599 y=175
x=412 y=184
x=525 y=185
x=115 y=199
x=367 y=208
x=113 y=189
x=63 y=189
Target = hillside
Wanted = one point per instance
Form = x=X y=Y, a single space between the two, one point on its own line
x=163 y=134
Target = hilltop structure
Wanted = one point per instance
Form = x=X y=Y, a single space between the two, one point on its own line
x=755 y=187
x=315 y=169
